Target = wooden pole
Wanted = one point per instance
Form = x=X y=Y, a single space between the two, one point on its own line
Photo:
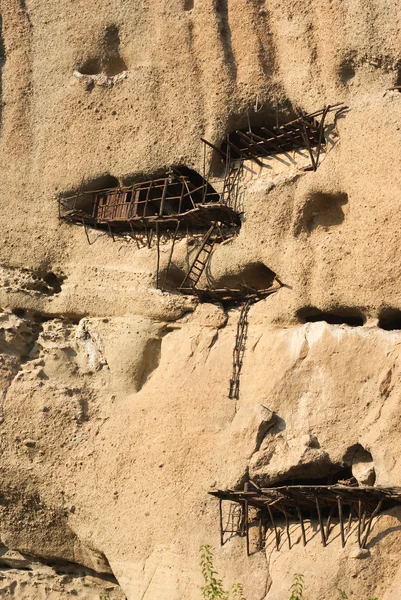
x=260 y=532
x=340 y=515
x=287 y=527
x=246 y=527
x=158 y=254
x=221 y=521
x=328 y=523
x=369 y=525
x=301 y=520
x=349 y=519
x=305 y=137
x=319 y=514
x=274 y=526
x=359 y=522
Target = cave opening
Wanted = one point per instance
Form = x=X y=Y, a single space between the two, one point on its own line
x=352 y=317
x=108 y=60
x=390 y=319
x=254 y=275
x=323 y=210
x=113 y=63
x=266 y=137
x=342 y=475
x=178 y=195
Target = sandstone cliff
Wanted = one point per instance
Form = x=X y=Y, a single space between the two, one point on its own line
x=115 y=416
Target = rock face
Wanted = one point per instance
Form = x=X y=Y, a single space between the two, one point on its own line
x=115 y=420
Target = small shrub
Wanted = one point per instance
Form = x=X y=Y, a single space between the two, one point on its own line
x=344 y=596
x=297 y=588
x=237 y=592
x=213 y=588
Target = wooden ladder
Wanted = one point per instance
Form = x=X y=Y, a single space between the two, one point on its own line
x=200 y=261
x=231 y=182
x=239 y=350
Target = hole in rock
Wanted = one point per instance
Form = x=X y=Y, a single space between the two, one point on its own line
x=323 y=210
x=91 y=67
x=188 y=4
x=53 y=282
x=174 y=278
x=161 y=202
x=113 y=64
x=390 y=319
x=337 y=475
x=108 y=62
x=347 y=68
x=352 y=317
x=256 y=137
x=267 y=133
x=19 y=312
x=254 y=275
x=44 y=283
x=82 y=201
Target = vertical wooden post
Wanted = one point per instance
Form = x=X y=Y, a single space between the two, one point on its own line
x=246 y=527
x=158 y=254
x=147 y=198
x=301 y=520
x=260 y=532
x=166 y=182
x=328 y=523
x=221 y=521
x=359 y=522
x=304 y=134
x=246 y=511
x=274 y=526
x=349 y=519
x=287 y=527
x=340 y=515
x=319 y=514
x=181 y=197
x=369 y=525
x=321 y=130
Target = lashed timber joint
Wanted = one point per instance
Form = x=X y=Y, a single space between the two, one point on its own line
x=260 y=142
x=327 y=504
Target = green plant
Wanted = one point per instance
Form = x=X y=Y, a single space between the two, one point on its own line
x=297 y=588
x=344 y=596
x=237 y=592
x=213 y=588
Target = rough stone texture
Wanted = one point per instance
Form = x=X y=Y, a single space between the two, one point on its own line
x=122 y=388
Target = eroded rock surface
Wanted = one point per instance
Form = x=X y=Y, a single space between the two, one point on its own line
x=115 y=420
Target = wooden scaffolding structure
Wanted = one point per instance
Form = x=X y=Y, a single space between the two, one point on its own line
x=327 y=504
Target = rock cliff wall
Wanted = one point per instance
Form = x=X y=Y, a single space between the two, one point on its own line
x=115 y=416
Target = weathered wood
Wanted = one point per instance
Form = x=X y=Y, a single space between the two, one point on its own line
x=319 y=514
x=369 y=525
x=301 y=520
x=276 y=533
x=340 y=516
